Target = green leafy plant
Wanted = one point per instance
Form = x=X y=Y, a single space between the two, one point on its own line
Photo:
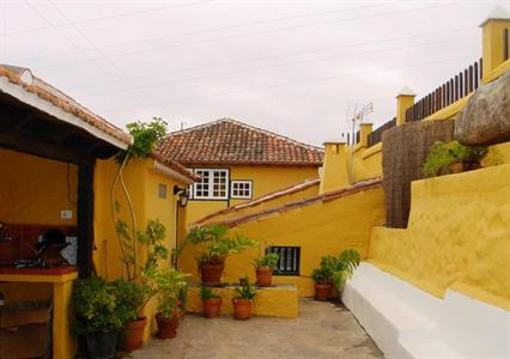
x=207 y=293
x=218 y=244
x=169 y=283
x=268 y=260
x=97 y=307
x=442 y=155
x=246 y=290
x=131 y=299
x=337 y=270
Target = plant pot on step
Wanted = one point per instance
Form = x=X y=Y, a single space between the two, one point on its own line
x=167 y=327
x=242 y=308
x=133 y=334
x=323 y=291
x=102 y=345
x=210 y=273
x=456 y=167
x=264 y=276
x=212 y=307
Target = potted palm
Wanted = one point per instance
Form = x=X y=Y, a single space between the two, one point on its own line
x=334 y=272
x=98 y=316
x=211 y=302
x=219 y=246
x=243 y=302
x=169 y=283
x=264 y=267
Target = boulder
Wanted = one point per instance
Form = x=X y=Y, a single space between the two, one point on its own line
x=486 y=118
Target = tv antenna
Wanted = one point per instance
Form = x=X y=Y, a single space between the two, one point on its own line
x=356 y=120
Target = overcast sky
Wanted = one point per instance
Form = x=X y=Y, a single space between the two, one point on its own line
x=294 y=67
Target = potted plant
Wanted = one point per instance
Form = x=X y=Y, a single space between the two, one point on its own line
x=264 y=267
x=243 y=302
x=138 y=289
x=452 y=157
x=98 y=316
x=219 y=246
x=169 y=283
x=211 y=302
x=333 y=272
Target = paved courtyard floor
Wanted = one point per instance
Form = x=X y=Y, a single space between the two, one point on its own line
x=323 y=330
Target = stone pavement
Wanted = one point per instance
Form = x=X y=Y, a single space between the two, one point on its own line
x=323 y=330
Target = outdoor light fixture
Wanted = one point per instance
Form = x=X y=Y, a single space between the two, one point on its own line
x=183 y=195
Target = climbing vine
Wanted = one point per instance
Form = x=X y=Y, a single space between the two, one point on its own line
x=145 y=135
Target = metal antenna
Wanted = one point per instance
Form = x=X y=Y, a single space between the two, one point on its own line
x=357 y=119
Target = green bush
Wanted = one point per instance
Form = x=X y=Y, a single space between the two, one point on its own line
x=96 y=307
x=337 y=270
x=442 y=155
x=219 y=244
x=131 y=299
x=246 y=290
x=269 y=260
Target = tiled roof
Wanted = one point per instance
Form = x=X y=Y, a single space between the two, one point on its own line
x=361 y=186
x=23 y=77
x=231 y=142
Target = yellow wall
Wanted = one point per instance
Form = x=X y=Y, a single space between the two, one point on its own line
x=319 y=229
x=265 y=179
x=143 y=184
x=34 y=190
x=457 y=236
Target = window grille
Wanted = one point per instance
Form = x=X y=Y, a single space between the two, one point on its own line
x=288 y=264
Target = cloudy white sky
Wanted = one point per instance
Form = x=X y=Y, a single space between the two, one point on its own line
x=294 y=67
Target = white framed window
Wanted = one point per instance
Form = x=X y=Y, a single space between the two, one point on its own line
x=213 y=184
x=241 y=189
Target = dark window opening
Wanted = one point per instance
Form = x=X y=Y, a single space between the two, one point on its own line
x=288 y=263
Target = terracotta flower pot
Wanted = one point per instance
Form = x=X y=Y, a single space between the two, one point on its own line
x=212 y=307
x=264 y=276
x=456 y=167
x=322 y=291
x=133 y=334
x=242 y=308
x=167 y=326
x=211 y=273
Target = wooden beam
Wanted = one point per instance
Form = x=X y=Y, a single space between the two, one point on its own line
x=85 y=218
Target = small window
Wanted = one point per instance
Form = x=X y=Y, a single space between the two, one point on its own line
x=288 y=263
x=213 y=184
x=241 y=189
x=162 y=191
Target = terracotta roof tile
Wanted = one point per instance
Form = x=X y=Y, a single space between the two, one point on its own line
x=227 y=141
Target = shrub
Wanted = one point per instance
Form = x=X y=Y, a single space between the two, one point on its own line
x=96 y=307
x=169 y=284
x=442 y=155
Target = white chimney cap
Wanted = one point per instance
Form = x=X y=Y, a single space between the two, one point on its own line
x=497 y=13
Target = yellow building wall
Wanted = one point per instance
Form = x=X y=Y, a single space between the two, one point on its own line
x=34 y=190
x=319 y=229
x=265 y=179
x=457 y=237
x=143 y=185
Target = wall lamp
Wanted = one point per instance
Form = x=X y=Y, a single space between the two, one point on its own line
x=183 y=195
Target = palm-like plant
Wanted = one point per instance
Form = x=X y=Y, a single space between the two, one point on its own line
x=337 y=270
